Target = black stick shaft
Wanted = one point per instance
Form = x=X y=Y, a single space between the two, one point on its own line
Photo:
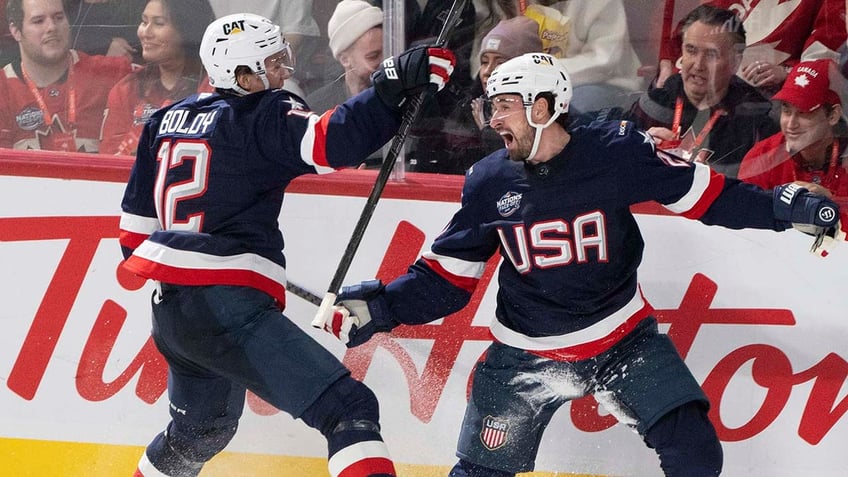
x=410 y=116
x=301 y=292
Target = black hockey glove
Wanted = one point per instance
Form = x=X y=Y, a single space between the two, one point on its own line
x=809 y=213
x=360 y=311
x=795 y=205
x=412 y=71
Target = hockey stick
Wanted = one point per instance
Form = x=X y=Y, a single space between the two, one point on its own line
x=301 y=292
x=410 y=115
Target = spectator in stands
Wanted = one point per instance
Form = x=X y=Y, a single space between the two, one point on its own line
x=356 y=41
x=706 y=113
x=810 y=148
x=105 y=27
x=169 y=33
x=509 y=38
x=53 y=97
x=596 y=51
x=779 y=35
x=590 y=36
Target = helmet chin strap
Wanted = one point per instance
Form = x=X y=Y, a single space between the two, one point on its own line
x=264 y=79
x=538 y=136
x=245 y=92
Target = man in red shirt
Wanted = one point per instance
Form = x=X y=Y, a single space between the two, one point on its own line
x=811 y=146
x=53 y=97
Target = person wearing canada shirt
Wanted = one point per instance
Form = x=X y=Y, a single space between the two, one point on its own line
x=811 y=148
x=53 y=97
x=170 y=33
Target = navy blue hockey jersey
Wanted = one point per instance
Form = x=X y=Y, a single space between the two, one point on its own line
x=569 y=242
x=206 y=189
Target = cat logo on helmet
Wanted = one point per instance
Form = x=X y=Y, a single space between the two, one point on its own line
x=241 y=39
x=234 y=28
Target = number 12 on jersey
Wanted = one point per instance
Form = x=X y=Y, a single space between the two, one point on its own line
x=172 y=156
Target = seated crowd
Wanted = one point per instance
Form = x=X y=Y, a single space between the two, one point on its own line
x=85 y=75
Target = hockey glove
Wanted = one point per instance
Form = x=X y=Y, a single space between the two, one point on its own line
x=412 y=71
x=796 y=205
x=810 y=213
x=360 y=311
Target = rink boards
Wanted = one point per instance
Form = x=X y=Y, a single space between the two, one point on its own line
x=760 y=321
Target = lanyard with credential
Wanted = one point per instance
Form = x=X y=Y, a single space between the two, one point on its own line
x=72 y=95
x=678 y=116
x=829 y=180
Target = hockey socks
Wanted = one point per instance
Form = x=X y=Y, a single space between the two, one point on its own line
x=362 y=459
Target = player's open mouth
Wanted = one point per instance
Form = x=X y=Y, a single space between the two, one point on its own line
x=508 y=138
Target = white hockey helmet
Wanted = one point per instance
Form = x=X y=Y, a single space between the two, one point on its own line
x=241 y=39
x=529 y=75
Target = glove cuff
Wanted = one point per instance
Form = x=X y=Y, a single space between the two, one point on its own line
x=372 y=293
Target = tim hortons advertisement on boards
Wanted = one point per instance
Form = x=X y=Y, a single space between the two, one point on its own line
x=759 y=320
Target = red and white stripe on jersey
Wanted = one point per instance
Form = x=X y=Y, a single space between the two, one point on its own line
x=361 y=460
x=581 y=344
x=146 y=469
x=313 y=146
x=135 y=229
x=706 y=186
x=460 y=273
x=182 y=267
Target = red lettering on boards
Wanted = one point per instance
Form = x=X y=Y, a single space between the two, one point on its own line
x=771 y=368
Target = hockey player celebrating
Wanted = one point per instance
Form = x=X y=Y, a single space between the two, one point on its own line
x=200 y=217
x=570 y=318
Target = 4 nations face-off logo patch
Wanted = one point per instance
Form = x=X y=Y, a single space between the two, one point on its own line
x=509 y=203
x=494 y=433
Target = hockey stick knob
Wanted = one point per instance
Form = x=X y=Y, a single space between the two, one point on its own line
x=325 y=311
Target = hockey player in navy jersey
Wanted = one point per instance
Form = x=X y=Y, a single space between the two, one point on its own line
x=570 y=318
x=200 y=217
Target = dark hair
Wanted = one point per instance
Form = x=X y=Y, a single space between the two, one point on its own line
x=562 y=119
x=190 y=17
x=726 y=20
x=15 y=11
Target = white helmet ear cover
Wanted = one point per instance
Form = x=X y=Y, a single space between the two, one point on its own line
x=241 y=39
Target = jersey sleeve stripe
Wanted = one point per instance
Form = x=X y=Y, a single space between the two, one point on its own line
x=134 y=229
x=138 y=224
x=706 y=186
x=131 y=240
x=460 y=273
x=584 y=343
x=313 y=146
x=159 y=262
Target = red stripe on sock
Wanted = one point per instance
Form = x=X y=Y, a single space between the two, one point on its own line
x=369 y=466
